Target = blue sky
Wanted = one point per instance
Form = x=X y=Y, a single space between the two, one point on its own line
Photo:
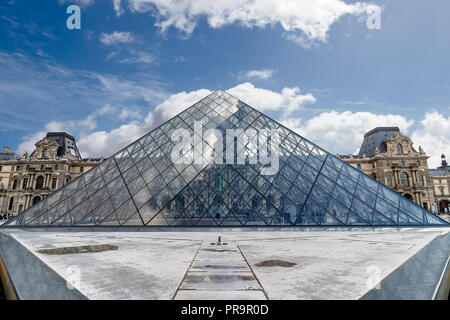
x=314 y=65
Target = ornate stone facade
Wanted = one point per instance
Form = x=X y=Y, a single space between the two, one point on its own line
x=389 y=157
x=441 y=183
x=28 y=179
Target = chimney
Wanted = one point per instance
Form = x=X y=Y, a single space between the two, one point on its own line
x=6 y=149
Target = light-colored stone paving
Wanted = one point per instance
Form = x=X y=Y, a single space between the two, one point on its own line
x=334 y=264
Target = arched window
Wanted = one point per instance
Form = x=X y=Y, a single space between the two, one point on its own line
x=404 y=178
x=36 y=199
x=386 y=164
x=15 y=183
x=389 y=180
x=420 y=178
x=25 y=183
x=45 y=153
x=358 y=166
x=11 y=203
x=399 y=149
x=40 y=182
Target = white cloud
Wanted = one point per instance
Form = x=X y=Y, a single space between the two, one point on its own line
x=174 y=105
x=103 y=143
x=302 y=20
x=127 y=113
x=434 y=137
x=116 y=38
x=118 y=7
x=287 y=101
x=344 y=132
x=133 y=56
x=263 y=74
x=89 y=122
x=84 y=125
x=28 y=144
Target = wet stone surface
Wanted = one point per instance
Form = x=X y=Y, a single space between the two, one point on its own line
x=219 y=269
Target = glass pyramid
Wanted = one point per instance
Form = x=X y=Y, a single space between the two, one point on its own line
x=143 y=184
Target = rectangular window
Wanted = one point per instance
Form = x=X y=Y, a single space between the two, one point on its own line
x=18 y=168
x=54 y=183
x=1 y=168
x=81 y=169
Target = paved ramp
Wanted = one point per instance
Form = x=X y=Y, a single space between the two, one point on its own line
x=220 y=271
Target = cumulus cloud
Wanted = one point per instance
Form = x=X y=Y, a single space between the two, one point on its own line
x=84 y=125
x=173 y=105
x=128 y=113
x=118 y=7
x=343 y=132
x=29 y=141
x=116 y=38
x=287 y=101
x=262 y=74
x=302 y=20
x=105 y=143
x=433 y=136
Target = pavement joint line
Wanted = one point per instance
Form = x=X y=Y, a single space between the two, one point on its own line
x=187 y=271
x=377 y=241
x=254 y=275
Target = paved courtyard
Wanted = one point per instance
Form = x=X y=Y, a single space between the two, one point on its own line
x=269 y=264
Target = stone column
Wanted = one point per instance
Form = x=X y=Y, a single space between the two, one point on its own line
x=410 y=178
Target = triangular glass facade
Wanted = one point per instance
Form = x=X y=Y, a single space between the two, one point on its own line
x=143 y=185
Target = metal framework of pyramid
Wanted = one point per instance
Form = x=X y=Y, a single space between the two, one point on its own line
x=141 y=185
